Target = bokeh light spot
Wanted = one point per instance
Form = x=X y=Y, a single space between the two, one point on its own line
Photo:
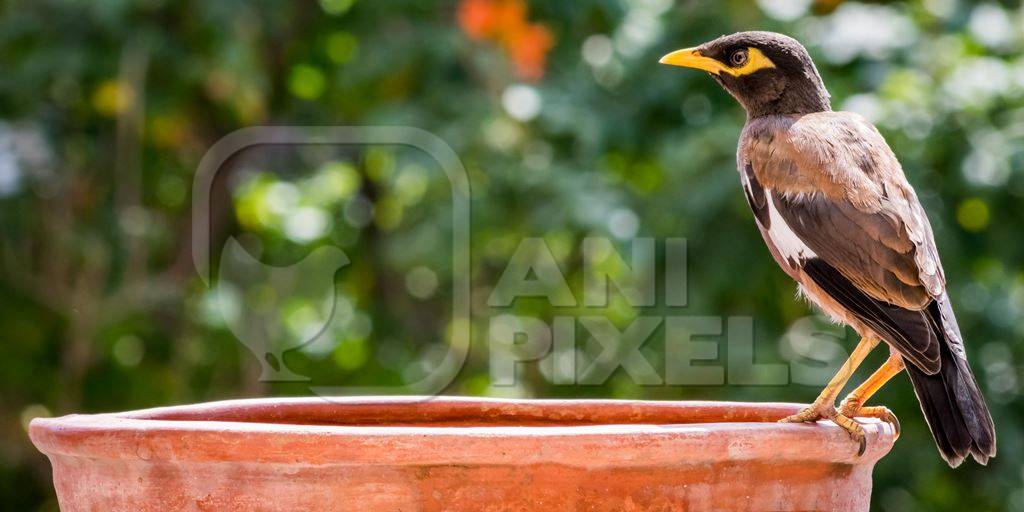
x=973 y=214
x=307 y=82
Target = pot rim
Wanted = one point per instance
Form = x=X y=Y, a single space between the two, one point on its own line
x=456 y=430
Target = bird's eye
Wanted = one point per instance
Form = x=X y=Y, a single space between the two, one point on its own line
x=738 y=58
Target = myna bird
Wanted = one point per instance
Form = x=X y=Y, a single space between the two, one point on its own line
x=839 y=217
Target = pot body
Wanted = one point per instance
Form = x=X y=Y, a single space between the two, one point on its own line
x=457 y=454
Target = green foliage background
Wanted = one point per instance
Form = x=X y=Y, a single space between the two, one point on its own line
x=106 y=108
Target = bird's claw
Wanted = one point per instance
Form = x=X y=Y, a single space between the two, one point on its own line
x=853 y=409
x=821 y=411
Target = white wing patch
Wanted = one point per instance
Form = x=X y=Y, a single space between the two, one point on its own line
x=789 y=245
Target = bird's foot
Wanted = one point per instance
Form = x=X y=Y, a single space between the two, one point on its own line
x=852 y=408
x=822 y=410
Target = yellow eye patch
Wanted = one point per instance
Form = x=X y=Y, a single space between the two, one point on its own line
x=692 y=58
x=755 y=61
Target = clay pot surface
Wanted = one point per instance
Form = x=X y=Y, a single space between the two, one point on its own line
x=457 y=454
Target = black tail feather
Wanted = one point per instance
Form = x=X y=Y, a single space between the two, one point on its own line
x=951 y=401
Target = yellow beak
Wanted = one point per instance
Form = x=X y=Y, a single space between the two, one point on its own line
x=691 y=58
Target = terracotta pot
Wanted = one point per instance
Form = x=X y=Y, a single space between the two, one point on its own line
x=457 y=454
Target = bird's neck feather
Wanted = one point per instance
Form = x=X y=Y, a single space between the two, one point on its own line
x=802 y=93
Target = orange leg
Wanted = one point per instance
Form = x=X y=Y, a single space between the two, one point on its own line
x=853 y=404
x=824 y=407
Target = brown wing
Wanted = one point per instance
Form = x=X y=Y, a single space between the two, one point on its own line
x=838 y=206
x=867 y=248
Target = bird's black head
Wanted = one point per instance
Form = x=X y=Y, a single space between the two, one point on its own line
x=767 y=73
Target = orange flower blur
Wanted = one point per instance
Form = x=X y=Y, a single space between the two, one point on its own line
x=505 y=22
